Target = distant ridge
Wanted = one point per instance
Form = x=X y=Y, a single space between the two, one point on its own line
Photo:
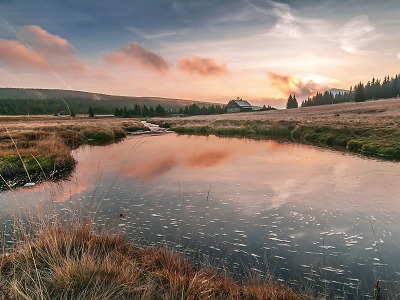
x=337 y=91
x=54 y=94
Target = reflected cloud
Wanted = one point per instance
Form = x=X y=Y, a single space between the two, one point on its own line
x=152 y=170
x=207 y=159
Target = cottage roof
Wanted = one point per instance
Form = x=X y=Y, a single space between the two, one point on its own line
x=240 y=103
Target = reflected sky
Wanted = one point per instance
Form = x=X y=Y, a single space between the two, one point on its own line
x=310 y=214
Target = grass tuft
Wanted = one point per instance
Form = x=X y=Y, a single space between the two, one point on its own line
x=73 y=262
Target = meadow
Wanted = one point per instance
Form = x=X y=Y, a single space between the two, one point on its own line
x=369 y=128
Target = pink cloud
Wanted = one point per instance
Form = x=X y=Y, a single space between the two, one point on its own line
x=15 y=54
x=202 y=66
x=43 y=41
x=136 y=54
x=36 y=48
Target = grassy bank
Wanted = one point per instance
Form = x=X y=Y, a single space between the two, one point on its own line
x=73 y=262
x=39 y=148
x=370 y=128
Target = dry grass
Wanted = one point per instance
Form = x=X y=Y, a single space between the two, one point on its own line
x=72 y=262
x=370 y=128
x=44 y=143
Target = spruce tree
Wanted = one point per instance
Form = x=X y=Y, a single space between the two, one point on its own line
x=359 y=94
x=292 y=102
x=90 y=112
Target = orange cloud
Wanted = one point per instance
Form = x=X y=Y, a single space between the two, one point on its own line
x=43 y=41
x=150 y=171
x=15 y=54
x=136 y=54
x=207 y=159
x=293 y=85
x=37 y=48
x=202 y=66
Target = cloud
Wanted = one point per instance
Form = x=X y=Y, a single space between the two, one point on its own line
x=136 y=54
x=293 y=85
x=15 y=54
x=207 y=159
x=38 y=49
x=356 y=34
x=43 y=41
x=288 y=24
x=202 y=66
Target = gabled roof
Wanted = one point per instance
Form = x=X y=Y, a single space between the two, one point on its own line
x=240 y=103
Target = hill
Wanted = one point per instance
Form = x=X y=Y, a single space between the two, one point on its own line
x=45 y=101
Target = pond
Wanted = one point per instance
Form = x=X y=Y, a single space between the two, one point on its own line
x=310 y=216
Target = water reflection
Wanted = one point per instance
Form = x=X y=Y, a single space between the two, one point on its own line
x=207 y=159
x=305 y=213
x=151 y=170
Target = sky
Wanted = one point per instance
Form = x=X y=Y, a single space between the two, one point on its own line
x=206 y=50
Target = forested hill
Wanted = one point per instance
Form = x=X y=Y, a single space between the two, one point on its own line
x=15 y=101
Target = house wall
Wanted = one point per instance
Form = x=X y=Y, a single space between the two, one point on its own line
x=233 y=109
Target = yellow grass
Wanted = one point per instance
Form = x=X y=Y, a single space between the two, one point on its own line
x=72 y=262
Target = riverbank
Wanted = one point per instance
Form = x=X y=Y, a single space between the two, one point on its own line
x=73 y=262
x=369 y=128
x=37 y=148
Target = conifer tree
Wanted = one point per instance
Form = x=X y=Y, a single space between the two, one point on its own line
x=90 y=112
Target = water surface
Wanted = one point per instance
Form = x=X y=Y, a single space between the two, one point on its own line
x=307 y=215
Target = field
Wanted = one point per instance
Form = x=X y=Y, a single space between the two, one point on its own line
x=35 y=148
x=369 y=128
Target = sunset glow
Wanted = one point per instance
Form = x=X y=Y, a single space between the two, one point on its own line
x=259 y=50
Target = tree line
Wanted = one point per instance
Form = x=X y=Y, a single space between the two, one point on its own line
x=12 y=106
x=160 y=111
x=374 y=89
x=138 y=111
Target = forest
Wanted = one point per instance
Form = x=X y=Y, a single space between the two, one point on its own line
x=374 y=89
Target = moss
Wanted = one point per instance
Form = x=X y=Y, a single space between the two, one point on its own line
x=99 y=134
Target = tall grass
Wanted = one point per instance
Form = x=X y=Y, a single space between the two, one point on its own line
x=69 y=260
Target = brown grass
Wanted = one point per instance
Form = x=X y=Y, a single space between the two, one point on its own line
x=370 y=128
x=45 y=142
x=72 y=262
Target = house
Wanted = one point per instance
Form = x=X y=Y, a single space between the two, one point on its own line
x=239 y=105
